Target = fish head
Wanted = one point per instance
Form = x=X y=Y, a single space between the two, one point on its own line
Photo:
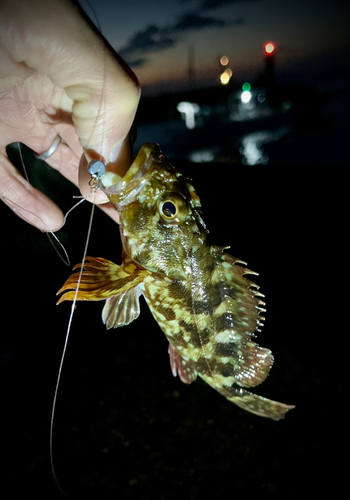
x=160 y=223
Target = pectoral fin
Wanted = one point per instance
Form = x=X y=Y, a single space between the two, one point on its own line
x=121 y=309
x=102 y=279
x=184 y=369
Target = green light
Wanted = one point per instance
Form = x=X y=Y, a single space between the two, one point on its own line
x=246 y=86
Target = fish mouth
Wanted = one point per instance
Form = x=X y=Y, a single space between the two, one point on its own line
x=123 y=190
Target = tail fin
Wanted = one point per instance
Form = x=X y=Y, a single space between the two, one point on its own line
x=257 y=404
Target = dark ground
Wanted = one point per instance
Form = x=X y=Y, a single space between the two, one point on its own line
x=124 y=427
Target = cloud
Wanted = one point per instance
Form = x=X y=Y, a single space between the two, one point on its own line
x=137 y=63
x=194 y=21
x=151 y=39
x=155 y=38
x=215 y=4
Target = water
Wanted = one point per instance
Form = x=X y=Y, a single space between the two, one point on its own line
x=299 y=137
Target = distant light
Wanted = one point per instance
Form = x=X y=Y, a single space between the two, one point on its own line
x=252 y=145
x=246 y=86
x=252 y=148
x=224 y=61
x=206 y=111
x=189 y=109
x=228 y=72
x=224 y=78
x=261 y=97
x=202 y=156
x=246 y=96
x=287 y=105
x=269 y=48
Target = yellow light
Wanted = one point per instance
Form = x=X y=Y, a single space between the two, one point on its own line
x=224 y=61
x=224 y=78
x=228 y=72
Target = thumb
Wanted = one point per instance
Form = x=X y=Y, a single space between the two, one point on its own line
x=56 y=38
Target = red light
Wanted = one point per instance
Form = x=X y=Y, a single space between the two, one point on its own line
x=269 y=48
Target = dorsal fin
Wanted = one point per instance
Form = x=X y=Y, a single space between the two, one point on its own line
x=239 y=318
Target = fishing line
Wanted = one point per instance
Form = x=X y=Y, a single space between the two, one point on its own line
x=48 y=232
x=94 y=15
x=65 y=348
x=94 y=187
x=17 y=209
x=20 y=211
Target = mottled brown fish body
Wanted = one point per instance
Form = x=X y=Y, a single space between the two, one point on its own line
x=199 y=295
x=207 y=326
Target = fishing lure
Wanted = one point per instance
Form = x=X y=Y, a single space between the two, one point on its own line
x=198 y=294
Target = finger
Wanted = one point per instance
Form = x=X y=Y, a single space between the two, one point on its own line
x=53 y=37
x=67 y=156
x=66 y=160
x=26 y=201
x=109 y=209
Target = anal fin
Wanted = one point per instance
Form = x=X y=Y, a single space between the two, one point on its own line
x=184 y=369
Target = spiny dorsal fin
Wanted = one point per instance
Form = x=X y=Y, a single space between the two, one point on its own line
x=239 y=314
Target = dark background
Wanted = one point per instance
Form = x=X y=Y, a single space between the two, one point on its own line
x=124 y=427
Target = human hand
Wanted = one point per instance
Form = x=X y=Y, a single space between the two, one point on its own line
x=59 y=76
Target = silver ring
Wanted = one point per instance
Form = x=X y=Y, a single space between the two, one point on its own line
x=46 y=154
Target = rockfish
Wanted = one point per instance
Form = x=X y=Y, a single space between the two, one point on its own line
x=198 y=294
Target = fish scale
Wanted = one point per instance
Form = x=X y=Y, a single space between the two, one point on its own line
x=198 y=294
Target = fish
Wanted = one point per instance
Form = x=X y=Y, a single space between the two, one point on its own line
x=199 y=295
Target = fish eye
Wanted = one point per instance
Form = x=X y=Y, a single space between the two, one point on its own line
x=169 y=209
x=172 y=208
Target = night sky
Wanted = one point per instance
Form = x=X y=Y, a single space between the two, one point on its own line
x=312 y=37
